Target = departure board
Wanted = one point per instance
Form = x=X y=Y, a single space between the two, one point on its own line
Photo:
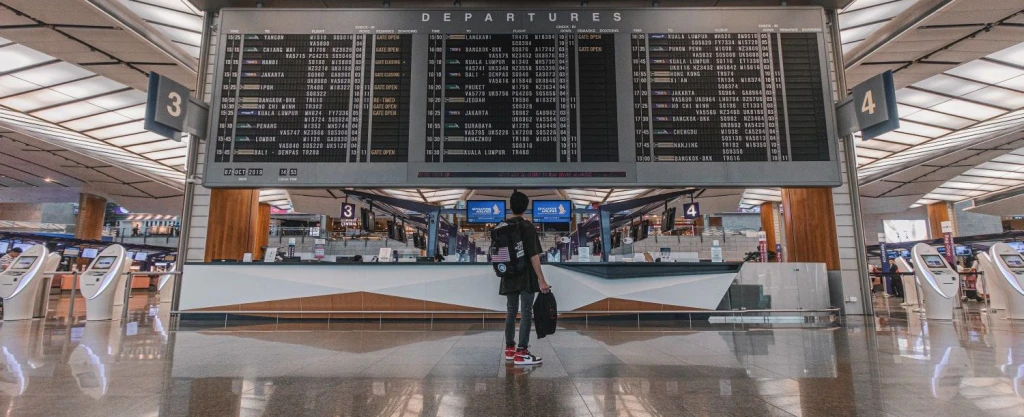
x=592 y=97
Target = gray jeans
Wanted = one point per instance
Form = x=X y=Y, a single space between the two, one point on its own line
x=522 y=300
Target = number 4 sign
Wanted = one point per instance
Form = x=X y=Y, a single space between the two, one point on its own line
x=691 y=211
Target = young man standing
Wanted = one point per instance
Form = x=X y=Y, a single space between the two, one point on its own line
x=520 y=290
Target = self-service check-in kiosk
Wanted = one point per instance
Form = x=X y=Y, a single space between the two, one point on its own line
x=910 y=290
x=939 y=282
x=24 y=287
x=102 y=284
x=992 y=288
x=1010 y=267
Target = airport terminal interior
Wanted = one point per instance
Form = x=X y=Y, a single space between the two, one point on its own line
x=346 y=207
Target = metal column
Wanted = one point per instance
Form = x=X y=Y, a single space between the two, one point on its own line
x=191 y=179
x=851 y=172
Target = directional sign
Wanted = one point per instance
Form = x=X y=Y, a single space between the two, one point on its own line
x=348 y=211
x=171 y=110
x=691 y=211
x=871 y=109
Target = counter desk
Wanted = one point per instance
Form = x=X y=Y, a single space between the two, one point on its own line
x=432 y=287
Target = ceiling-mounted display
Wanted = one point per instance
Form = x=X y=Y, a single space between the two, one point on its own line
x=597 y=97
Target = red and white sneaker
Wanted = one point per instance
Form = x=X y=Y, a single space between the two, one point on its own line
x=524 y=357
x=510 y=353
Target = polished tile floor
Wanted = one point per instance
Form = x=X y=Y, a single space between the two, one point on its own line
x=892 y=365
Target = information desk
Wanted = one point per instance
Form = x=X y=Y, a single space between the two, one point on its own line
x=426 y=287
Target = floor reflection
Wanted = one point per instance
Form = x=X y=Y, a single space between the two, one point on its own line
x=895 y=364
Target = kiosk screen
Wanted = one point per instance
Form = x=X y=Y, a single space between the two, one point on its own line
x=1014 y=261
x=71 y=252
x=104 y=262
x=933 y=261
x=24 y=262
x=90 y=252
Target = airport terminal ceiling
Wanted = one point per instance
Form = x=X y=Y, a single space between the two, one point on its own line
x=926 y=54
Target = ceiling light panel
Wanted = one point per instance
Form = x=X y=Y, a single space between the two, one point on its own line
x=986 y=71
x=939 y=119
x=918 y=98
x=19 y=56
x=10 y=85
x=56 y=73
x=882 y=145
x=998 y=97
x=138 y=139
x=949 y=85
x=28 y=102
x=89 y=87
x=96 y=122
x=921 y=130
x=120 y=100
x=1013 y=55
x=115 y=131
x=68 y=112
x=968 y=110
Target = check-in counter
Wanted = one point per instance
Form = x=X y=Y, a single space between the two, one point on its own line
x=314 y=289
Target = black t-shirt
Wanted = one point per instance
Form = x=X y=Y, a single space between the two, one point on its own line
x=531 y=244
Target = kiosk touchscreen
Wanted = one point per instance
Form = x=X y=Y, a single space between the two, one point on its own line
x=910 y=290
x=102 y=284
x=1010 y=266
x=23 y=286
x=939 y=282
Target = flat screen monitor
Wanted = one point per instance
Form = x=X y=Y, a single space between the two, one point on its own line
x=668 y=220
x=1013 y=261
x=141 y=256
x=72 y=252
x=552 y=211
x=942 y=250
x=130 y=255
x=485 y=211
x=24 y=262
x=4 y=246
x=933 y=261
x=368 y=219
x=1019 y=246
x=104 y=262
x=963 y=250
x=90 y=253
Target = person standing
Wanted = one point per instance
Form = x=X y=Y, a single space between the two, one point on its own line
x=897 y=280
x=9 y=257
x=521 y=289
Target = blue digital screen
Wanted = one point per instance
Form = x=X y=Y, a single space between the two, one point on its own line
x=485 y=211
x=552 y=211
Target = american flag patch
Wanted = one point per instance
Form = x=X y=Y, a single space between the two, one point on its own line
x=501 y=256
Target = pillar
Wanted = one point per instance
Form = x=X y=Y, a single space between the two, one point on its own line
x=89 y=223
x=810 y=226
x=768 y=225
x=937 y=213
x=238 y=224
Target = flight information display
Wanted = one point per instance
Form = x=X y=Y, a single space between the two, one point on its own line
x=602 y=97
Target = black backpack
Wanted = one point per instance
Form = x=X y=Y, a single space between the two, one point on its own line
x=545 y=314
x=508 y=254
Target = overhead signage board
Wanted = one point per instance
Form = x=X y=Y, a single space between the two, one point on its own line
x=485 y=211
x=691 y=211
x=552 y=211
x=603 y=97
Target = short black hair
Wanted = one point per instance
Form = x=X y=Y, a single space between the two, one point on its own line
x=518 y=202
x=16 y=250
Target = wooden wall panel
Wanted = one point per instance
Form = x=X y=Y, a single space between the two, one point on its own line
x=768 y=224
x=89 y=223
x=937 y=213
x=261 y=231
x=811 y=226
x=232 y=225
